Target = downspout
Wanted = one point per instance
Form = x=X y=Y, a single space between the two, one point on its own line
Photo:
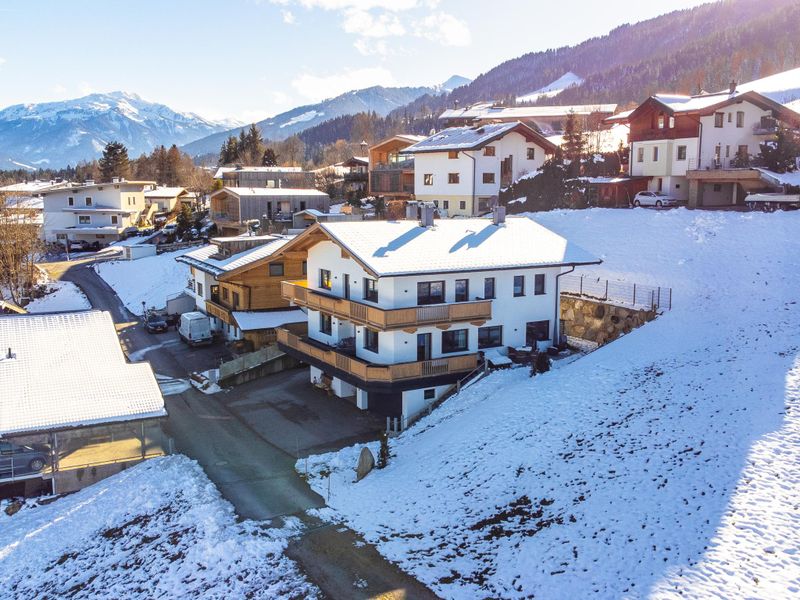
x=556 y=332
x=474 y=167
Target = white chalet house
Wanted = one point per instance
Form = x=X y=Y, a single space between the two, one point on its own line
x=461 y=169
x=699 y=148
x=94 y=212
x=398 y=311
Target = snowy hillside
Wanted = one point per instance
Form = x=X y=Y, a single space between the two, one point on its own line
x=553 y=88
x=157 y=530
x=663 y=465
x=55 y=134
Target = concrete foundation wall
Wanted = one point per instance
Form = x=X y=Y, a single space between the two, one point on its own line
x=598 y=322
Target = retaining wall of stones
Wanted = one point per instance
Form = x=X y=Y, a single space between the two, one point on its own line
x=599 y=322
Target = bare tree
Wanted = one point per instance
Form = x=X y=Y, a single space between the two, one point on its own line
x=20 y=247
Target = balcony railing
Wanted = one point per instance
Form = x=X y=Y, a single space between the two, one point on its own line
x=217 y=310
x=383 y=320
x=377 y=373
x=400 y=165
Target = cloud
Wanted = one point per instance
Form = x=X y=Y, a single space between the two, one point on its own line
x=85 y=89
x=288 y=17
x=2 y=61
x=319 y=87
x=366 y=24
x=372 y=47
x=443 y=28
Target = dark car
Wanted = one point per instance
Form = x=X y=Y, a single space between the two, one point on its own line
x=18 y=460
x=78 y=245
x=156 y=323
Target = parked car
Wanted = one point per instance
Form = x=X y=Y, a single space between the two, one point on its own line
x=146 y=231
x=20 y=460
x=195 y=329
x=156 y=323
x=654 y=199
x=129 y=232
x=170 y=228
x=78 y=245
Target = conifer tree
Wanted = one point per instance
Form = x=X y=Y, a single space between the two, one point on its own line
x=574 y=146
x=114 y=162
x=269 y=159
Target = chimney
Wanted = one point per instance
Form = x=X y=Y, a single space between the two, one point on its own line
x=115 y=180
x=426 y=215
x=412 y=211
x=455 y=104
x=89 y=182
x=733 y=85
x=499 y=215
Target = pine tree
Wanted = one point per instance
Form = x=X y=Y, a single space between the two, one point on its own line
x=114 y=162
x=779 y=155
x=574 y=146
x=184 y=220
x=172 y=174
x=269 y=159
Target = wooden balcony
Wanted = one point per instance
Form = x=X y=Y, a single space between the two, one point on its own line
x=220 y=312
x=377 y=373
x=386 y=320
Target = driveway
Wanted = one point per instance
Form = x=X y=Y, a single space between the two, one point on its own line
x=248 y=439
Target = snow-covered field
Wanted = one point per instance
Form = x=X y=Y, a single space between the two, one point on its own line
x=61 y=296
x=664 y=465
x=157 y=530
x=150 y=279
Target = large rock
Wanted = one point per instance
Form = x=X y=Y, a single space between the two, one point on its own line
x=366 y=462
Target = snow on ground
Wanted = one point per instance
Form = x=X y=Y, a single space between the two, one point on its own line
x=663 y=465
x=554 y=88
x=61 y=296
x=157 y=530
x=150 y=279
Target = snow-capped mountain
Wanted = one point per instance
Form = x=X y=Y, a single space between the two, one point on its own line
x=54 y=134
x=378 y=99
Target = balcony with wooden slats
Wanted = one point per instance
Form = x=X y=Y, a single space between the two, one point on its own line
x=386 y=320
x=377 y=373
x=220 y=312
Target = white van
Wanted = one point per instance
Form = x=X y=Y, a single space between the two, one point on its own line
x=195 y=329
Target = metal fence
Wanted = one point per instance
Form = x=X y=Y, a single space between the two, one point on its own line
x=617 y=292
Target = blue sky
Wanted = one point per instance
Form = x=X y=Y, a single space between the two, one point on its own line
x=249 y=59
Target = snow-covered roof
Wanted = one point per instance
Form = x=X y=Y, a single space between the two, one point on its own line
x=222 y=170
x=68 y=370
x=32 y=187
x=783 y=87
x=619 y=117
x=251 y=320
x=265 y=191
x=201 y=258
x=25 y=203
x=774 y=178
x=165 y=192
x=473 y=138
x=487 y=110
x=392 y=248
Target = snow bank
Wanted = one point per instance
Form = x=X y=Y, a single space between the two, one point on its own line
x=663 y=465
x=158 y=530
x=61 y=296
x=150 y=279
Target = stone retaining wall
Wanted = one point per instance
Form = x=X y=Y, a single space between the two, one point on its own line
x=599 y=322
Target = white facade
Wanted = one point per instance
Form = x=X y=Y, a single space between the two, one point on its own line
x=720 y=142
x=96 y=212
x=432 y=173
x=510 y=312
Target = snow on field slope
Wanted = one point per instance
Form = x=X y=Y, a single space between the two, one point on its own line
x=554 y=88
x=150 y=279
x=61 y=296
x=157 y=530
x=663 y=465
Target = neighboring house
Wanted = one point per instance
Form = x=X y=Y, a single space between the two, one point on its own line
x=356 y=175
x=399 y=311
x=306 y=218
x=699 y=148
x=461 y=169
x=94 y=212
x=549 y=119
x=237 y=282
x=25 y=199
x=391 y=174
x=265 y=177
x=72 y=398
x=233 y=208
x=168 y=199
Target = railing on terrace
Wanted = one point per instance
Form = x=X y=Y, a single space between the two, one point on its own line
x=617 y=292
x=377 y=318
x=394 y=166
x=377 y=373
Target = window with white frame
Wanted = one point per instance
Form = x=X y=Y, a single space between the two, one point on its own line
x=84 y=219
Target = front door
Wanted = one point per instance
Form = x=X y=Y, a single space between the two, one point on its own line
x=346 y=284
x=423 y=346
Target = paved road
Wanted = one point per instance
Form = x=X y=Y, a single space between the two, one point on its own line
x=243 y=440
